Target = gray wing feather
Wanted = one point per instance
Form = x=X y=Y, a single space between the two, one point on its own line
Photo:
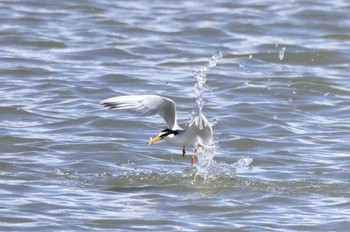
x=146 y=105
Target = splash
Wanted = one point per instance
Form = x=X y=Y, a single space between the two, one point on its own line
x=281 y=53
x=207 y=168
x=201 y=76
x=201 y=86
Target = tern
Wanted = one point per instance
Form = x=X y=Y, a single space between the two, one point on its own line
x=198 y=134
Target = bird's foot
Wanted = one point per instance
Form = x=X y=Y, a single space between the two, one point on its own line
x=194 y=154
x=183 y=152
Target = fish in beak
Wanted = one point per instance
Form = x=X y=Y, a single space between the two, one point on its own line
x=154 y=140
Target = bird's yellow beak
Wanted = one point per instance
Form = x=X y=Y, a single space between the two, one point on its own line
x=154 y=140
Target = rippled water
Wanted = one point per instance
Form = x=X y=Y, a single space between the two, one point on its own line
x=279 y=96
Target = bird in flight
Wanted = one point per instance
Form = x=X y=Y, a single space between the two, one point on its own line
x=198 y=134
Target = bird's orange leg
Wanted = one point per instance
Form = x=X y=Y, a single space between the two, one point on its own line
x=194 y=154
x=183 y=151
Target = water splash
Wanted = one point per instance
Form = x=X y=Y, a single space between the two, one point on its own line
x=201 y=76
x=281 y=53
x=207 y=168
x=243 y=162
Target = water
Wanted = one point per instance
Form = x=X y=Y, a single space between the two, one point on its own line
x=278 y=99
x=206 y=167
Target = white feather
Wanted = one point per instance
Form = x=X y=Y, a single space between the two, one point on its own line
x=198 y=133
x=146 y=105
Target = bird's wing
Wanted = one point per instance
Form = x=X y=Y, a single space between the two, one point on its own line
x=146 y=105
x=201 y=127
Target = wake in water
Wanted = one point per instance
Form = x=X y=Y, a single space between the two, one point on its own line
x=207 y=167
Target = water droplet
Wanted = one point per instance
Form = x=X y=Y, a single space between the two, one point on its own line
x=244 y=162
x=250 y=56
x=275 y=117
x=281 y=53
x=213 y=122
x=241 y=65
x=326 y=94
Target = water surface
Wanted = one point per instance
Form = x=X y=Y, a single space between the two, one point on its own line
x=279 y=96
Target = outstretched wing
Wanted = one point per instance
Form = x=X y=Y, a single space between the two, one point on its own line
x=146 y=105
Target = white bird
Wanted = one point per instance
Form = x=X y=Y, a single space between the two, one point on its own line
x=199 y=133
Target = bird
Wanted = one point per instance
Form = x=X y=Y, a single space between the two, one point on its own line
x=198 y=134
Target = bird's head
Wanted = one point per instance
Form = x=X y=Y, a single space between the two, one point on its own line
x=166 y=133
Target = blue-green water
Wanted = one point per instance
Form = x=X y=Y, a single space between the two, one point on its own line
x=280 y=96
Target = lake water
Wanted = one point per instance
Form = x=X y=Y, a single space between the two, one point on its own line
x=279 y=101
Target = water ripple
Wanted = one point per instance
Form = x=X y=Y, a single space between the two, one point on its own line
x=278 y=99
